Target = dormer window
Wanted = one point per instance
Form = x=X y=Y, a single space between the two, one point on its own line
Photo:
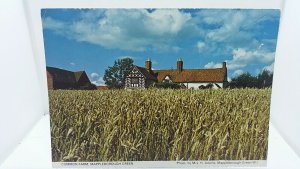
x=167 y=79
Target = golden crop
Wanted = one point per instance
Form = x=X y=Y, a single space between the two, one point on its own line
x=157 y=124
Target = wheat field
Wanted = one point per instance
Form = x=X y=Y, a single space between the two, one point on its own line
x=159 y=124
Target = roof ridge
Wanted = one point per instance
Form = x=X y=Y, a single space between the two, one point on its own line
x=187 y=69
x=64 y=69
x=61 y=69
x=145 y=72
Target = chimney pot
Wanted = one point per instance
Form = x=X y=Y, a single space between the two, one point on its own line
x=179 y=64
x=148 y=64
x=224 y=64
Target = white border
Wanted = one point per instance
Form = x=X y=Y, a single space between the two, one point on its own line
x=258 y=4
x=162 y=164
x=33 y=8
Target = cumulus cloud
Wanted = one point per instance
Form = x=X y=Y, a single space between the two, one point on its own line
x=135 y=30
x=242 y=57
x=234 y=23
x=124 y=57
x=231 y=29
x=261 y=45
x=96 y=79
x=213 y=65
x=49 y=23
x=238 y=72
x=166 y=21
x=201 y=46
x=256 y=55
x=94 y=75
x=269 y=67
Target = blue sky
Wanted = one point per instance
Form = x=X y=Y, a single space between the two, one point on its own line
x=92 y=39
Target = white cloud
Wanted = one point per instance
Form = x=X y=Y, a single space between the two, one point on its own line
x=261 y=45
x=72 y=63
x=166 y=21
x=231 y=22
x=234 y=23
x=201 y=46
x=94 y=75
x=136 y=30
x=49 y=23
x=269 y=67
x=242 y=57
x=231 y=29
x=213 y=65
x=238 y=72
x=124 y=57
x=97 y=80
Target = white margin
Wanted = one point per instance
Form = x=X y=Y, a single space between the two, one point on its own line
x=33 y=9
x=159 y=164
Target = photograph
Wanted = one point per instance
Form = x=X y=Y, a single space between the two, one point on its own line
x=159 y=84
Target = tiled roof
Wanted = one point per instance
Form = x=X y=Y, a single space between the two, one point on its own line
x=78 y=75
x=192 y=75
x=146 y=73
x=64 y=75
x=61 y=75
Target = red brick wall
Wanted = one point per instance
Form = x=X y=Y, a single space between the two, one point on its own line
x=49 y=81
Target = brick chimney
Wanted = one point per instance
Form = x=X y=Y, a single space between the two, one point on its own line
x=179 y=64
x=148 y=64
x=224 y=64
x=225 y=71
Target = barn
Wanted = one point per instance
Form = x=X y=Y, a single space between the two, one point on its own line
x=63 y=79
x=141 y=78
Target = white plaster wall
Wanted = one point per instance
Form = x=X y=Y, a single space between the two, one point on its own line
x=196 y=85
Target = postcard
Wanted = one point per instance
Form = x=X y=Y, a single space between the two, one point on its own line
x=159 y=87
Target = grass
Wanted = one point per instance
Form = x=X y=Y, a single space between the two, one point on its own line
x=157 y=124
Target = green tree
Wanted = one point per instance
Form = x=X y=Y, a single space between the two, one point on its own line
x=114 y=76
x=168 y=85
x=264 y=79
x=243 y=80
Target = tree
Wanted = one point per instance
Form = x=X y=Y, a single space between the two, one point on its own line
x=264 y=79
x=168 y=85
x=243 y=80
x=114 y=76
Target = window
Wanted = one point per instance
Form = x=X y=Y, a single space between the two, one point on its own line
x=134 y=81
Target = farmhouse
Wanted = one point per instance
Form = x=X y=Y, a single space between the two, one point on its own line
x=141 y=78
x=64 y=79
